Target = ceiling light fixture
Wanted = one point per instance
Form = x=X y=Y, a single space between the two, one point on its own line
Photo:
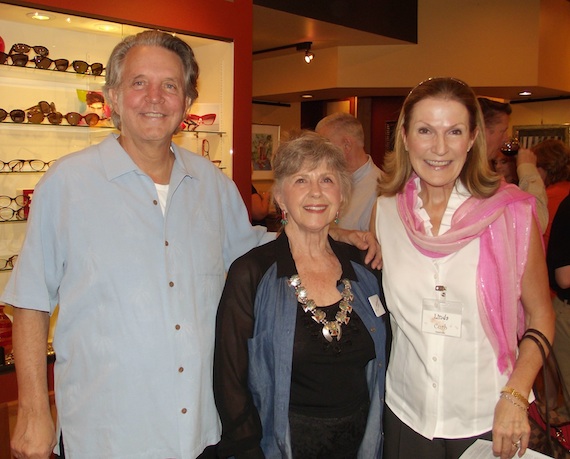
x=39 y=16
x=303 y=46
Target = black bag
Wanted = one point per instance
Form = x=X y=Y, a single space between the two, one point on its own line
x=549 y=414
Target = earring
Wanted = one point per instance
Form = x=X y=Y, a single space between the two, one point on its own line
x=284 y=220
x=336 y=219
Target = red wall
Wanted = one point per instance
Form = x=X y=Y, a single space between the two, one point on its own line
x=226 y=19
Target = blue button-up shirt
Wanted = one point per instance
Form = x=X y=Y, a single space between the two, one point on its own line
x=137 y=293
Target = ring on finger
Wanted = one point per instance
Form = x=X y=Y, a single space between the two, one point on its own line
x=517 y=445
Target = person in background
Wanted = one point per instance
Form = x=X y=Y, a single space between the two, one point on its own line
x=497 y=116
x=558 y=259
x=553 y=163
x=300 y=336
x=132 y=238
x=464 y=275
x=260 y=203
x=346 y=132
x=506 y=166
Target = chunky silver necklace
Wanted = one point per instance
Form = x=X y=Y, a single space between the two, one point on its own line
x=330 y=329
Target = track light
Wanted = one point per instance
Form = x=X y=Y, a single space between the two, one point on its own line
x=304 y=46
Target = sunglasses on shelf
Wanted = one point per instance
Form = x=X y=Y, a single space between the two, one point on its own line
x=22 y=48
x=17 y=116
x=45 y=63
x=74 y=118
x=19 y=60
x=82 y=67
x=43 y=109
x=202 y=119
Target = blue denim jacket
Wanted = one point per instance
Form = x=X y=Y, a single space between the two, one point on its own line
x=271 y=354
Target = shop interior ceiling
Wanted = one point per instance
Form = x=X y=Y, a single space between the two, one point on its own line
x=333 y=23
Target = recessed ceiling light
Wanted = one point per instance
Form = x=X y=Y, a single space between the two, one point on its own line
x=307 y=96
x=525 y=93
x=105 y=27
x=39 y=16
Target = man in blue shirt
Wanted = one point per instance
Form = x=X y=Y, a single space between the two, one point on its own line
x=131 y=238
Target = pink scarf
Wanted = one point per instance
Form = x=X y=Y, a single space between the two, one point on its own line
x=502 y=223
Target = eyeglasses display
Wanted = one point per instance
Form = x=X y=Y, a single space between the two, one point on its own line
x=19 y=57
x=25 y=165
x=6 y=265
x=43 y=110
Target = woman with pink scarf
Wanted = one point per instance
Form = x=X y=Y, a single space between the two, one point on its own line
x=464 y=276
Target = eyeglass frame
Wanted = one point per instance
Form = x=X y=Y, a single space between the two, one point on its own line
x=23 y=202
x=8 y=263
x=19 y=213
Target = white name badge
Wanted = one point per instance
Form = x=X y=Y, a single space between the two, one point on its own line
x=442 y=318
x=376 y=305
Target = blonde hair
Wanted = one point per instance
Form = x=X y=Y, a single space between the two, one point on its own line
x=476 y=174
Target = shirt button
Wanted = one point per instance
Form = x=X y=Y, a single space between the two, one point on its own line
x=155 y=202
x=434 y=359
x=171 y=284
x=177 y=327
x=181 y=369
x=434 y=385
x=166 y=243
x=373 y=330
x=184 y=411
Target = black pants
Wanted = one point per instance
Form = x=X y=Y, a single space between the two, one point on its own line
x=401 y=442
x=61 y=448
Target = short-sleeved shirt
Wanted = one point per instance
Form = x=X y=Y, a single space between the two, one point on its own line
x=137 y=293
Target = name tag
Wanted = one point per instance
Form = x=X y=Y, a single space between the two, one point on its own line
x=376 y=305
x=442 y=318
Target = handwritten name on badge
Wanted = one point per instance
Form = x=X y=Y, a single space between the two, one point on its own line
x=442 y=318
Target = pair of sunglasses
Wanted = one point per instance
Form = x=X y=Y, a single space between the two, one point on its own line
x=18 y=116
x=22 y=48
x=19 y=60
x=82 y=67
x=45 y=63
x=201 y=119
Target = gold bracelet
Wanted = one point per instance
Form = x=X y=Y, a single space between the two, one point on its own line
x=516 y=394
x=507 y=396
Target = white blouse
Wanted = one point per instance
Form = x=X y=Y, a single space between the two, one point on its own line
x=440 y=386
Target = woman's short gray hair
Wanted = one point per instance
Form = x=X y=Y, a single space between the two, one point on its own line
x=308 y=150
x=115 y=66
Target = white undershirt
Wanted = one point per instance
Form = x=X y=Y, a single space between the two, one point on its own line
x=162 y=191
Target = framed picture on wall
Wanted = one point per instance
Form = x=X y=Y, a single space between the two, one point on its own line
x=264 y=142
x=532 y=134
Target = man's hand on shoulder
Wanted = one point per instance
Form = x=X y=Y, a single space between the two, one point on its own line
x=364 y=240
